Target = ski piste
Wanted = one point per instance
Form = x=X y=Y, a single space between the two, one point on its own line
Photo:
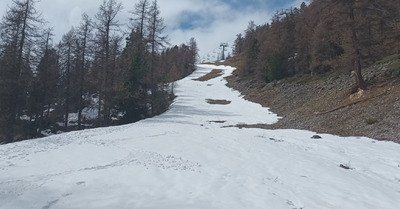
x=195 y=156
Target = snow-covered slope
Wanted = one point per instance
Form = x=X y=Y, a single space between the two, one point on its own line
x=187 y=158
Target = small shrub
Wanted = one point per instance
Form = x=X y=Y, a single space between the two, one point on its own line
x=321 y=69
x=275 y=70
x=371 y=121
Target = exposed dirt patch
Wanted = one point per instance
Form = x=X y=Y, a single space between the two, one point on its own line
x=326 y=105
x=218 y=102
x=345 y=167
x=217 y=121
x=213 y=74
x=240 y=126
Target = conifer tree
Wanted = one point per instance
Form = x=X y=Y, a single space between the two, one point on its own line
x=140 y=16
x=67 y=49
x=106 y=23
x=84 y=36
x=43 y=92
x=20 y=28
x=156 y=40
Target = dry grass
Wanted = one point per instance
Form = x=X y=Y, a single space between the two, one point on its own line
x=237 y=61
x=213 y=74
x=375 y=114
x=219 y=102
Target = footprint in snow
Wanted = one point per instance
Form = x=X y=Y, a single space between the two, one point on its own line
x=80 y=182
x=50 y=204
x=292 y=204
x=276 y=140
x=67 y=194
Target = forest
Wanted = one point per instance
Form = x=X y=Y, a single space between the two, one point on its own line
x=322 y=36
x=101 y=73
x=104 y=73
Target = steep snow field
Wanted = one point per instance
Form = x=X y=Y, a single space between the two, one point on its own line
x=187 y=158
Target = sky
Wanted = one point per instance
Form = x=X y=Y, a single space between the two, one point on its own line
x=210 y=22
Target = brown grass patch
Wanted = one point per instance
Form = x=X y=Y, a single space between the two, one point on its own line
x=213 y=74
x=219 y=102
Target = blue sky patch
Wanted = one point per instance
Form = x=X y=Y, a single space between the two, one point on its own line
x=190 y=20
x=257 y=4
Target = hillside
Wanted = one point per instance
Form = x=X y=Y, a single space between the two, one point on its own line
x=326 y=104
x=194 y=156
x=309 y=63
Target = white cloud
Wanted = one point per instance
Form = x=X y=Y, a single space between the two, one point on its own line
x=75 y=16
x=218 y=21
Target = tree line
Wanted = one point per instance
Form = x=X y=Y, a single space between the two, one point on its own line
x=319 y=37
x=101 y=73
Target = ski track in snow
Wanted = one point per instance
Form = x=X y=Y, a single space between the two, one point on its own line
x=189 y=158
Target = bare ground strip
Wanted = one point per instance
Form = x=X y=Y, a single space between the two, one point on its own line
x=213 y=74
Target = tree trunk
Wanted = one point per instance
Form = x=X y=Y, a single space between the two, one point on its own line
x=68 y=87
x=82 y=76
x=357 y=67
x=356 y=50
x=14 y=97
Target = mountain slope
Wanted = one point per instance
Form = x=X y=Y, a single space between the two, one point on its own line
x=327 y=104
x=193 y=156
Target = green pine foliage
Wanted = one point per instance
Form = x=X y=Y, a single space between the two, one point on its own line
x=91 y=69
x=275 y=68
